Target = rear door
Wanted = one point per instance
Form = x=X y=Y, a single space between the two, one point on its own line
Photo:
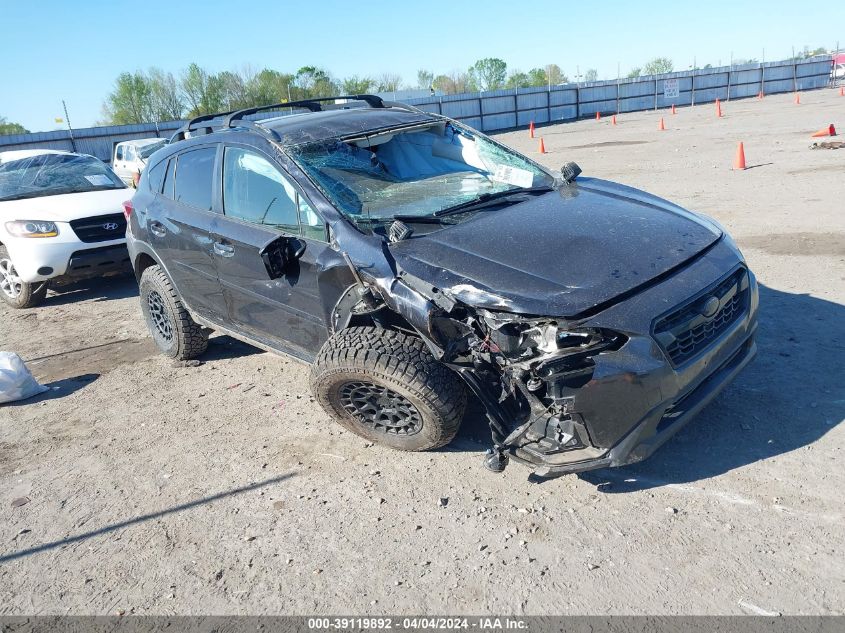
x=183 y=225
x=260 y=204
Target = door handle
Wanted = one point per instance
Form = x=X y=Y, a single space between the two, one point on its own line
x=157 y=229
x=224 y=250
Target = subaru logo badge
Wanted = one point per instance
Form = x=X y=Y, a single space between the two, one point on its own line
x=110 y=226
x=710 y=307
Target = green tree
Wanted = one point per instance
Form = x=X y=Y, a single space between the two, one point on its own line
x=356 y=85
x=425 y=79
x=203 y=93
x=555 y=75
x=130 y=101
x=269 y=86
x=517 y=79
x=634 y=72
x=537 y=77
x=456 y=82
x=489 y=73
x=165 y=98
x=591 y=74
x=658 y=65
x=314 y=82
x=11 y=128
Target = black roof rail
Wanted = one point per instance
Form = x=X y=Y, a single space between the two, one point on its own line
x=235 y=118
x=179 y=135
x=312 y=104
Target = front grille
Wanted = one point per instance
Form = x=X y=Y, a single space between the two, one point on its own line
x=100 y=228
x=688 y=331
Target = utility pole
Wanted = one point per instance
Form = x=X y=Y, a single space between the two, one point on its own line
x=69 y=129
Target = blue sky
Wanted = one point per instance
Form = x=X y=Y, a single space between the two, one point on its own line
x=56 y=49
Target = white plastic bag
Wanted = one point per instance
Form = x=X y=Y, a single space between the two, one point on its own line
x=16 y=383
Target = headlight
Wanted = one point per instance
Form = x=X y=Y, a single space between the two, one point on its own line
x=32 y=228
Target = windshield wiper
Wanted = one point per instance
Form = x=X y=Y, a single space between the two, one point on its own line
x=488 y=199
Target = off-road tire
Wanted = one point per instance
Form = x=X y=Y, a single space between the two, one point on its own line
x=164 y=311
x=395 y=364
x=30 y=295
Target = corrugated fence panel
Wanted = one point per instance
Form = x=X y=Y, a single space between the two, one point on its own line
x=495 y=105
x=502 y=109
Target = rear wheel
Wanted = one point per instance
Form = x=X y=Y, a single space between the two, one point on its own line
x=175 y=333
x=387 y=387
x=16 y=292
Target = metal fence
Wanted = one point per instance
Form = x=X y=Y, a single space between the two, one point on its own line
x=507 y=109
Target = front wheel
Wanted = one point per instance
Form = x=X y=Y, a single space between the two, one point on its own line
x=387 y=387
x=16 y=292
x=175 y=333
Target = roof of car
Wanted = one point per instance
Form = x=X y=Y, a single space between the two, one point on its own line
x=18 y=154
x=295 y=129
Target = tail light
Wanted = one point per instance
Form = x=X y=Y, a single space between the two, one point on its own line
x=127 y=209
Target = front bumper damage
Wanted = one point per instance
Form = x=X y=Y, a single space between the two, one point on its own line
x=611 y=397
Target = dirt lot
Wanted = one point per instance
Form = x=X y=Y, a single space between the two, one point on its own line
x=223 y=489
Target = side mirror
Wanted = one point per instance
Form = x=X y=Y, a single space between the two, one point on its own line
x=570 y=171
x=279 y=254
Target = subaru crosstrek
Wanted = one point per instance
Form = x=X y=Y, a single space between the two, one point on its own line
x=409 y=258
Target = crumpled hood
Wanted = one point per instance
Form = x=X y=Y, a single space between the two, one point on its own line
x=66 y=207
x=558 y=254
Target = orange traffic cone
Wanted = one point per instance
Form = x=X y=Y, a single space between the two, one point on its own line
x=542 y=149
x=661 y=126
x=797 y=98
x=531 y=129
x=760 y=95
x=739 y=160
x=718 y=108
x=613 y=120
x=673 y=108
x=842 y=92
x=825 y=131
x=598 y=115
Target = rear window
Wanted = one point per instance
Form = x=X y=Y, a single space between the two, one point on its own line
x=195 y=178
x=55 y=174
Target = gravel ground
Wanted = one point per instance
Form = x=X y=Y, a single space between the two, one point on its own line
x=223 y=489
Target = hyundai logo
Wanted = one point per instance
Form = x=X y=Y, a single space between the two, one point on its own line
x=110 y=226
x=710 y=307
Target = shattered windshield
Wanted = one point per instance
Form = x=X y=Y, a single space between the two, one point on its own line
x=54 y=174
x=414 y=173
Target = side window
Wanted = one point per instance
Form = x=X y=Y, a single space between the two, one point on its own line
x=195 y=178
x=255 y=191
x=119 y=153
x=155 y=176
x=313 y=226
x=167 y=188
x=129 y=153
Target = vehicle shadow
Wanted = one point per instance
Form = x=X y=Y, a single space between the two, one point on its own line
x=95 y=289
x=141 y=519
x=223 y=347
x=787 y=398
x=57 y=389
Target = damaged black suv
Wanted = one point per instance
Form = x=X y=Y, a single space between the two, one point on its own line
x=409 y=258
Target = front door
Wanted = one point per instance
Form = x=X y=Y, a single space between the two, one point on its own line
x=260 y=205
